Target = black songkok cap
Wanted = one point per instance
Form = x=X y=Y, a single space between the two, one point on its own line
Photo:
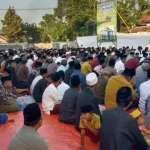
x=75 y=81
x=32 y=113
x=87 y=108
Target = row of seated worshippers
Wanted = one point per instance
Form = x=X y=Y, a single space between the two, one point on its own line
x=123 y=128
x=85 y=106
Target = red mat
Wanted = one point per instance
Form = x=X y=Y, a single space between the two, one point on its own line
x=59 y=136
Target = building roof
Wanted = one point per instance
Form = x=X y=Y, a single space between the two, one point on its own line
x=3 y=39
x=145 y=19
x=140 y=29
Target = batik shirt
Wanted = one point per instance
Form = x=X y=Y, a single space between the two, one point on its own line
x=4 y=95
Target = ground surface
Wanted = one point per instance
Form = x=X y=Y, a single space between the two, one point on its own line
x=59 y=136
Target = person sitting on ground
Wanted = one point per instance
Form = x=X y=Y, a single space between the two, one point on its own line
x=15 y=82
x=5 y=73
x=99 y=69
x=86 y=67
x=62 y=66
x=30 y=62
x=82 y=76
x=108 y=57
x=23 y=72
x=119 y=65
x=130 y=56
x=145 y=56
x=87 y=96
x=4 y=118
x=40 y=88
x=115 y=83
x=142 y=77
x=147 y=113
x=68 y=105
x=37 y=60
x=119 y=130
x=135 y=113
x=133 y=62
x=63 y=86
x=101 y=87
x=52 y=67
x=7 y=99
x=69 y=72
x=34 y=73
x=5 y=63
x=51 y=98
x=89 y=124
x=144 y=93
x=43 y=74
x=27 y=137
x=111 y=67
x=141 y=68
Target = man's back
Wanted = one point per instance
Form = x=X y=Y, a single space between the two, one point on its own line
x=22 y=72
x=27 y=138
x=86 y=68
x=119 y=131
x=68 y=106
x=87 y=96
x=132 y=63
x=111 y=90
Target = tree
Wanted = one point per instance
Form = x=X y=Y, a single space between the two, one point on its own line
x=69 y=19
x=31 y=32
x=11 y=26
x=52 y=29
x=131 y=11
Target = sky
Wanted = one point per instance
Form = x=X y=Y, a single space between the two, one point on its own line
x=28 y=15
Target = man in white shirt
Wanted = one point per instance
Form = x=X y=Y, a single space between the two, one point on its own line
x=62 y=66
x=63 y=87
x=144 y=93
x=29 y=63
x=43 y=74
x=119 y=66
x=15 y=55
x=51 y=99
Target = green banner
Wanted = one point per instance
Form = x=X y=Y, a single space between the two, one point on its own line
x=106 y=22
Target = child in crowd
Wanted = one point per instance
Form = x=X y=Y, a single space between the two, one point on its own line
x=135 y=113
x=89 y=124
x=4 y=118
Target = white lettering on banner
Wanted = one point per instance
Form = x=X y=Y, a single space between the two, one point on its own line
x=106 y=6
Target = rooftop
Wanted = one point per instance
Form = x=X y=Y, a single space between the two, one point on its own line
x=145 y=19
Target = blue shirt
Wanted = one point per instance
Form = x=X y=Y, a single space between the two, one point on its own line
x=81 y=76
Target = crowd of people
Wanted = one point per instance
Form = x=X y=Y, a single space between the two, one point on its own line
x=76 y=84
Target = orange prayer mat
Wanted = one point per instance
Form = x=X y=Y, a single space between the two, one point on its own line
x=59 y=136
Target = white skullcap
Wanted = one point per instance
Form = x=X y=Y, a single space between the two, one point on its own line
x=91 y=79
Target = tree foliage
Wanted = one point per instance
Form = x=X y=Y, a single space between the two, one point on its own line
x=31 y=33
x=131 y=11
x=69 y=19
x=11 y=26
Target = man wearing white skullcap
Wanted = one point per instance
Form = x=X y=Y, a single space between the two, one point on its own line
x=91 y=79
x=87 y=96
